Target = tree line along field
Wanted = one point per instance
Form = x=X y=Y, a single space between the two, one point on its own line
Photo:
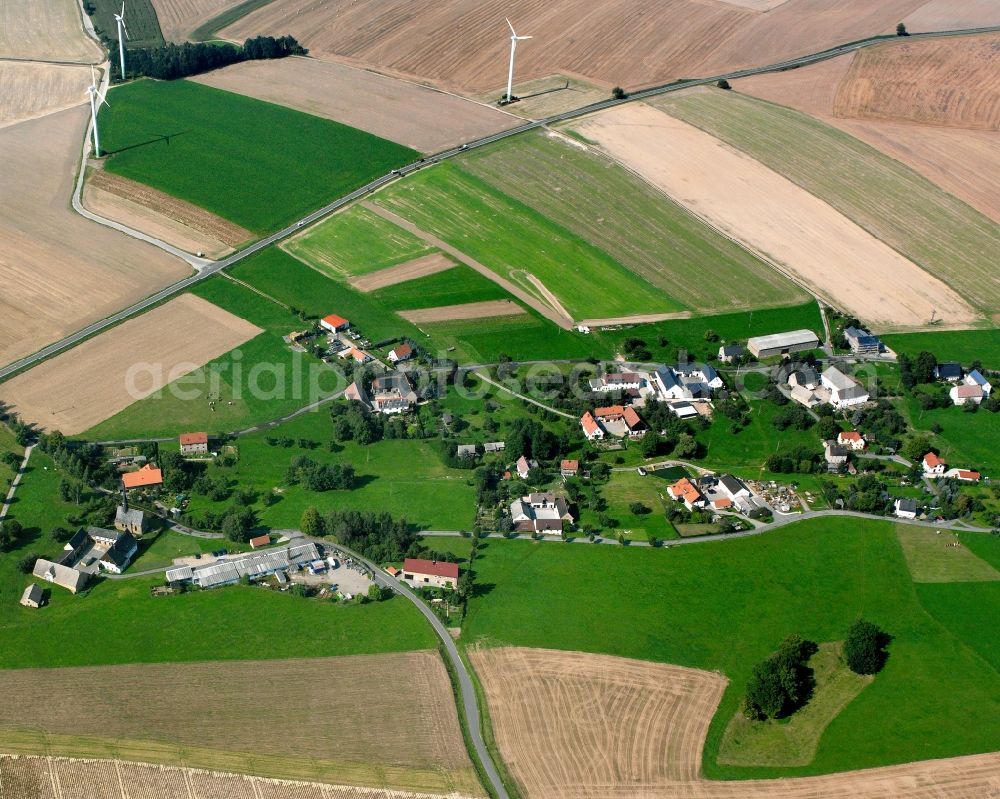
x=701 y=606
x=637 y=225
x=938 y=232
x=254 y=163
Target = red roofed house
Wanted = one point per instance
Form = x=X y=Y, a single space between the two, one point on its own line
x=967 y=475
x=722 y=503
x=194 y=443
x=334 y=323
x=569 y=468
x=591 y=429
x=430 y=572
x=148 y=475
x=392 y=571
x=260 y=541
x=402 y=353
x=610 y=413
x=359 y=356
x=685 y=491
x=851 y=440
x=962 y=394
x=933 y=465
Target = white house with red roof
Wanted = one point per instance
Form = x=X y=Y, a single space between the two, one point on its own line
x=965 y=393
x=933 y=465
x=194 y=443
x=436 y=573
x=685 y=491
x=851 y=439
x=591 y=429
x=334 y=323
x=401 y=353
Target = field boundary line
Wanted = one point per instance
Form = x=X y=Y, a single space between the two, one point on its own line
x=254 y=289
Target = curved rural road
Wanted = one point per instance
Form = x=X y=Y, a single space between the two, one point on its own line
x=209 y=270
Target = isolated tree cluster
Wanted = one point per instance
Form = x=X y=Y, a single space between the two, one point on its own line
x=865 y=648
x=782 y=682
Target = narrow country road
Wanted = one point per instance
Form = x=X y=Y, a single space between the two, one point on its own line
x=16 y=482
x=487 y=379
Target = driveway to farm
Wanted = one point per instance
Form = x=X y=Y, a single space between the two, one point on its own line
x=211 y=268
x=16 y=482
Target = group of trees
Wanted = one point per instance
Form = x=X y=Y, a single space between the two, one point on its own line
x=172 y=61
x=315 y=476
x=377 y=536
x=801 y=460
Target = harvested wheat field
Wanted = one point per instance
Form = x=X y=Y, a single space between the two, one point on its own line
x=951 y=82
x=92 y=382
x=463 y=44
x=61 y=271
x=343 y=717
x=45 y=31
x=30 y=90
x=807 y=238
x=572 y=725
x=942 y=15
x=411 y=270
x=179 y=18
x=26 y=777
x=811 y=90
x=469 y=310
x=175 y=221
x=415 y=116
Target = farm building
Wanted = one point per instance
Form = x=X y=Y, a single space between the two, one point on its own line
x=964 y=394
x=683 y=410
x=950 y=371
x=180 y=574
x=782 y=343
x=803 y=377
x=119 y=554
x=851 y=439
x=58 y=574
x=619 y=381
x=862 y=342
x=194 y=443
x=965 y=475
x=975 y=377
x=33 y=596
x=466 y=451
x=540 y=512
x=523 y=466
x=430 y=572
x=905 y=508
x=844 y=389
x=334 y=323
x=146 y=477
x=393 y=393
x=494 y=446
x=933 y=465
x=835 y=455
x=685 y=491
x=619 y=420
x=730 y=352
x=130 y=520
x=260 y=541
x=401 y=353
x=253 y=566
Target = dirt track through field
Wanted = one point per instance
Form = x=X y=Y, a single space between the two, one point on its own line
x=772 y=216
x=342 y=716
x=27 y=777
x=45 y=30
x=560 y=318
x=419 y=267
x=60 y=270
x=464 y=43
x=573 y=725
x=469 y=310
x=90 y=383
x=415 y=116
x=30 y=90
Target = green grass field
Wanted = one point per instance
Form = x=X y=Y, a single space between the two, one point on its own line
x=355 y=242
x=513 y=239
x=726 y=605
x=932 y=557
x=257 y=164
x=965 y=346
x=615 y=211
x=452 y=287
x=939 y=232
x=140 y=19
x=966 y=440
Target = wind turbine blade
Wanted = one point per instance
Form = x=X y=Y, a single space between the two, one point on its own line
x=513 y=32
x=126 y=30
x=522 y=38
x=123 y=8
x=93 y=78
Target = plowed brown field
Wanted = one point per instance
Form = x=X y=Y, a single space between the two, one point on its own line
x=469 y=310
x=339 y=718
x=572 y=725
x=415 y=116
x=951 y=82
x=60 y=270
x=30 y=90
x=90 y=383
x=411 y=270
x=464 y=43
x=941 y=15
x=25 y=777
x=45 y=31
x=179 y=17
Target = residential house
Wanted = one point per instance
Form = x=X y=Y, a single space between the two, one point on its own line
x=146 y=477
x=119 y=554
x=401 y=353
x=722 y=503
x=844 y=389
x=852 y=440
x=804 y=376
x=701 y=379
x=685 y=491
x=668 y=386
x=260 y=541
x=356 y=393
x=836 y=455
x=806 y=396
x=494 y=446
x=541 y=513
x=965 y=475
x=393 y=393
x=58 y=574
x=130 y=520
x=591 y=429
x=334 y=323
x=905 y=508
x=782 y=343
x=523 y=466
x=964 y=393
x=975 y=377
x=862 y=342
x=466 y=451
x=194 y=443
x=359 y=356
x=430 y=573
x=569 y=468
x=731 y=352
x=950 y=371
x=620 y=420
x=933 y=465
x=33 y=596
x=617 y=381
x=683 y=410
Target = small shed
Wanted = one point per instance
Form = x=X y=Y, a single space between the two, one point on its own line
x=33 y=596
x=260 y=541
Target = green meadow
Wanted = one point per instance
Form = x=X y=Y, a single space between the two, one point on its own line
x=967 y=440
x=964 y=346
x=254 y=163
x=726 y=605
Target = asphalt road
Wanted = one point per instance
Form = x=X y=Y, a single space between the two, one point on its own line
x=170 y=291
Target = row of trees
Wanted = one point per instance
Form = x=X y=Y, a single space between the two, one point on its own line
x=173 y=61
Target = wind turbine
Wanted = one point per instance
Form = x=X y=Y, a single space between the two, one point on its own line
x=514 y=39
x=120 y=20
x=95 y=101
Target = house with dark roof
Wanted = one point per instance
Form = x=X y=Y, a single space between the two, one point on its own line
x=862 y=342
x=119 y=555
x=950 y=371
x=905 y=508
x=836 y=455
x=541 y=512
x=730 y=352
x=130 y=520
x=392 y=393
x=844 y=389
x=466 y=451
x=33 y=596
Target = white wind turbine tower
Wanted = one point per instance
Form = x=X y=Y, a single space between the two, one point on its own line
x=95 y=101
x=120 y=20
x=514 y=39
